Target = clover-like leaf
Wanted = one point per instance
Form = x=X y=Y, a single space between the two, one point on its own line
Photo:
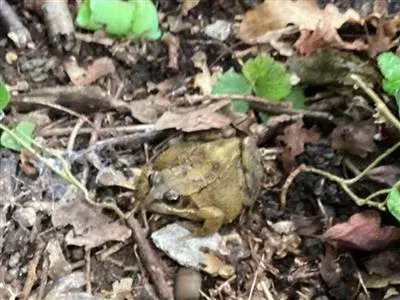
x=23 y=130
x=269 y=78
x=234 y=83
x=389 y=64
x=297 y=97
x=4 y=96
x=393 y=202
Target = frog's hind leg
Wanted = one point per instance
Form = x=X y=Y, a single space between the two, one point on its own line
x=212 y=217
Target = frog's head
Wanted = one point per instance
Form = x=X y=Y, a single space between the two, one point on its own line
x=159 y=190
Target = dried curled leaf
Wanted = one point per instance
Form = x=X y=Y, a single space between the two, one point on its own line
x=363 y=231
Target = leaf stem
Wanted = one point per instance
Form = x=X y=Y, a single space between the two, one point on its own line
x=64 y=173
x=380 y=105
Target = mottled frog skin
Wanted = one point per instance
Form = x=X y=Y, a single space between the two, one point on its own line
x=212 y=180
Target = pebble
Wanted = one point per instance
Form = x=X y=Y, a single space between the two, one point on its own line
x=187 y=284
x=220 y=30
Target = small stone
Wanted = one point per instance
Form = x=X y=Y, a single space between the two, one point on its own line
x=179 y=244
x=11 y=57
x=14 y=259
x=187 y=284
x=25 y=216
x=220 y=30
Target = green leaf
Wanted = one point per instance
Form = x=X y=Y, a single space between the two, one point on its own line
x=240 y=106
x=234 y=83
x=389 y=64
x=297 y=97
x=133 y=18
x=393 y=202
x=269 y=78
x=23 y=130
x=263 y=117
x=4 y=96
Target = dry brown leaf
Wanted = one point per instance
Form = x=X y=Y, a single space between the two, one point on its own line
x=385 y=31
x=260 y=22
x=294 y=137
x=356 y=138
x=213 y=265
x=384 y=263
x=173 y=44
x=363 y=231
x=325 y=34
x=387 y=175
x=195 y=119
x=187 y=5
x=97 y=69
x=145 y=110
x=91 y=227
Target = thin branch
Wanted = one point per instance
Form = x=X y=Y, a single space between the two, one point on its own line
x=380 y=105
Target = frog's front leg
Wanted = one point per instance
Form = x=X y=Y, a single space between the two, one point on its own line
x=212 y=217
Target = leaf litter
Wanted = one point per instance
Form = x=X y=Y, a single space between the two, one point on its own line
x=108 y=106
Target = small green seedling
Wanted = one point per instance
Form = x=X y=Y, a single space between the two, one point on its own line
x=132 y=18
x=4 y=96
x=262 y=76
x=393 y=201
x=389 y=64
x=23 y=130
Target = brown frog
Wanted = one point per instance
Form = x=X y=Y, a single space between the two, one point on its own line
x=207 y=182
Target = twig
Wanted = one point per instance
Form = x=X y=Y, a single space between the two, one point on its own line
x=43 y=278
x=152 y=262
x=253 y=284
x=380 y=105
x=56 y=15
x=291 y=111
x=102 y=131
x=87 y=271
x=339 y=180
x=17 y=32
x=39 y=100
x=74 y=133
x=200 y=98
x=104 y=254
x=31 y=275
x=133 y=140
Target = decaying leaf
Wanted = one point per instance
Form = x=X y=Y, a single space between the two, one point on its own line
x=111 y=177
x=385 y=31
x=173 y=44
x=383 y=263
x=97 y=69
x=260 y=22
x=387 y=175
x=325 y=34
x=363 y=231
x=332 y=67
x=213 y=265
x=203 y=80
x=187 y=5
x=145 y=110
x=294 y=137
x=58 y=264
x=195 y=119
x=91 y=227
x=356 y=138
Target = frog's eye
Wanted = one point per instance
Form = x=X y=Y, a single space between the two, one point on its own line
x=155 y=178
x=171 y=195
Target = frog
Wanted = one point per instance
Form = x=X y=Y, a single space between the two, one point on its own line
x=206 y=181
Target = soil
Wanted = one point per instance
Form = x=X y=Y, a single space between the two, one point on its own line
x=312 y=201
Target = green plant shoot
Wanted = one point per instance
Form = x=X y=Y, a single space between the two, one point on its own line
x=23 y=130
x=133 y=18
